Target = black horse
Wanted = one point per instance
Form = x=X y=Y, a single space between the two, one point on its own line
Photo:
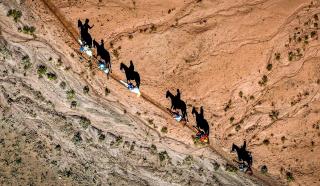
x=201 y=122
x=130 y=73
x=243 y=154
x=103 y=53
x=177 y=103
x=84 y=32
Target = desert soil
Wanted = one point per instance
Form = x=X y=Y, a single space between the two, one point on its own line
x=253 y=66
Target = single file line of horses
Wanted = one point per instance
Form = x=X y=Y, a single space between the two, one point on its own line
x=74 y=34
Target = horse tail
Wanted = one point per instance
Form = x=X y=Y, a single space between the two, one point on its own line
x=137 y=79
x=185 y=113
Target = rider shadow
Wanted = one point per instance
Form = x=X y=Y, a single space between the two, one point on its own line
x=202 y=123
x=243 y=156
x=130 y=74
x=177 y=103
x=84 y=32
x=103 y=53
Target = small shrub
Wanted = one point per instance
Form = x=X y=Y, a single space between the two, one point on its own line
x=240 y=94
x=73 y=104
x=63 y=85
x=274 y=114
x=188 y=160
x=153 y=149
x=269 y=67
x=70 y=94
x=119 y=140
x=86 y=89
x=102 y=137
x=130 y=36
x=16 y=14
x=153 y=28
x=77 y=138
x=51 y=76
x=290 y=177
x=228 y=105
x=264 y=169
x=263 y=80
x=216 y=165
x=26 y=62
x=164 y=129
x=115 y=53
x=41 y=70
x=106 y=91
x=163 y=155
x=231 y=119
x=238 y=127
x=231 y=168
x=277 y=56
x=84 y=122
x=283 y=139
x=266 y=141
x=28 y=30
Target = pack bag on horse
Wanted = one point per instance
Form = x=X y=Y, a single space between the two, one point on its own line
x=131 y=74
x=202 y=127
x=244 y=157
x=105 y=60
x=85 y=38
x=177 y=104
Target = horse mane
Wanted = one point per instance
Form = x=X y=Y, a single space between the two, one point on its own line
x=95 y=43
x=169 y=94
x=194 y=111
x=123 y=66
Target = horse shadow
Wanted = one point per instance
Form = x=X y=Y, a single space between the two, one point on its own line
x=177 y=103
x=103 y=53
x=202 y=123
x=130 y=73
x=243 y=154
x=84 y=32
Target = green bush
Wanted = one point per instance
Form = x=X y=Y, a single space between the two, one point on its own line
x=16 y=14
x=164 y=129
x=153 y=149
x=63 y=85
x=269 y=66
x=163 y=155
x=41 y=70
x=231 y=168
x=28 y=30
x=290 y=176
x=264 y=169
x=73 y=104
x=51 y=76
x=277 y=56
x=77 y=138
x=71 y=94
x=86 y=89
x=263 y=80
x=266 y=141
x=84 y=122
x=26 y=62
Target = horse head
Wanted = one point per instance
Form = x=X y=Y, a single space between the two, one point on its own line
x=123 y=67
x=168 y=94
x=194 y=111
x=234 y=147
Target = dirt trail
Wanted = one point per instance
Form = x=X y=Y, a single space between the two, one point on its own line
x=72 y=31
